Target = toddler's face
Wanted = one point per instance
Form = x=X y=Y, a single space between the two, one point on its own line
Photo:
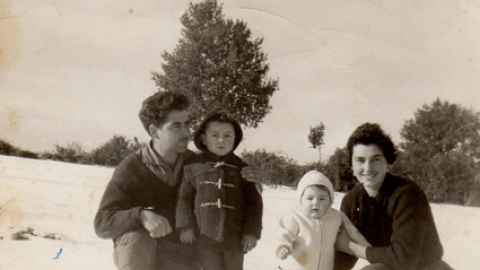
x=315 y=202
x=219 y=138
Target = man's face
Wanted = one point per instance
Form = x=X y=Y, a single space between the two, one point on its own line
x=315 y=202
x=219 y=138
x=369 y=165
x=174 y=135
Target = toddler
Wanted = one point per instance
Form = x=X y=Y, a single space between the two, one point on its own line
x=217 y=208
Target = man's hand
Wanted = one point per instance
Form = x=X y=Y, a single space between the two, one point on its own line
x=155 y=224
x=249 y=242
x=187 y=236
x=283 y=252
x=253 y=173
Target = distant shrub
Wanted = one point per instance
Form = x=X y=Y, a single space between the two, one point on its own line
x=277 y=168
x=49 y=156
x=72 y=153
x=7 y=149
x=114 y=151
x=28 y=154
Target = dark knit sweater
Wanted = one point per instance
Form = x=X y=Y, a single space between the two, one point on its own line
x=398 y=223
x=133 y=187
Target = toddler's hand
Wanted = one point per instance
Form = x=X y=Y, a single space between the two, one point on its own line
x=283 y=252
x=249 y=242
x=187 y=236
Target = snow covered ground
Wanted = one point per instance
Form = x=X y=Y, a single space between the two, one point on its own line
x=57 y=202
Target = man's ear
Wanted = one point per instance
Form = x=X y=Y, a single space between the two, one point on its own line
x=152 y=131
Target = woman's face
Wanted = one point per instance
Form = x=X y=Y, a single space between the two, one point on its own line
x=369 y=166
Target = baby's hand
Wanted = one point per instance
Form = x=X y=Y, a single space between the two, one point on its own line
x=187 y=236
x=283 y=252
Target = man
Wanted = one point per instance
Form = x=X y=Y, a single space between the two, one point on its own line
x=393 y=213
x=137 y=210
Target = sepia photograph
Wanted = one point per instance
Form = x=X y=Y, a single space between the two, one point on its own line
x=239 y=134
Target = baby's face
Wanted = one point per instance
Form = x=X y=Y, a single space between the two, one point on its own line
x=219 y=138
x=315 y=202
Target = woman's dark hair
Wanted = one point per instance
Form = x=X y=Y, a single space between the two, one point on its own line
x=369 y=133
x=156 y=108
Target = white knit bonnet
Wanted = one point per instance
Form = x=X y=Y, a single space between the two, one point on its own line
x=314 y=178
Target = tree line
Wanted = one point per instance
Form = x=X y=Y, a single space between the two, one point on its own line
x=109 y=154
x=440 y=151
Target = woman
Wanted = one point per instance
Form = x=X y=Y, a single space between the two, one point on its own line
x=393 y=213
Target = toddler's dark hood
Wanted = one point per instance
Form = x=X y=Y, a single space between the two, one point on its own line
x=220 y=115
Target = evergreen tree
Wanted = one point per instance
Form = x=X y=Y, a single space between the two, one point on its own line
x=441 y=150
x=216 y=63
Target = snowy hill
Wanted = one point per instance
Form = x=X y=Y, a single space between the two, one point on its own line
x=54 y=203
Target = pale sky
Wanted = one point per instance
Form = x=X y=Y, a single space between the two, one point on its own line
x=77 y=71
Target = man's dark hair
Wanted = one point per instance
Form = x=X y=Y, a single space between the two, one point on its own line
x=156 y=108
x=369 y=133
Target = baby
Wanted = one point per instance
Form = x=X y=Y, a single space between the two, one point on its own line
x=308 y=233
